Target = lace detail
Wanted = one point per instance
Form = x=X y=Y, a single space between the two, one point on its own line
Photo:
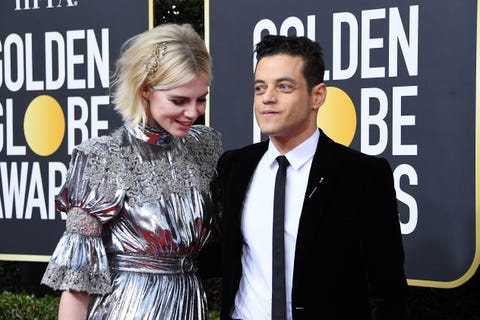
x=80 y=221
x=186 y=163
x=103 y=165
x=205 y=145
x=62 y=278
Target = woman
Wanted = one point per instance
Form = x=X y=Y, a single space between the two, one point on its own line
x=140 y=202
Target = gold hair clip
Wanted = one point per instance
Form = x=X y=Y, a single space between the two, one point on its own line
x=153 y=61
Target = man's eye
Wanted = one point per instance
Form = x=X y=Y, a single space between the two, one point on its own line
x=259 y=89
x=287 y=88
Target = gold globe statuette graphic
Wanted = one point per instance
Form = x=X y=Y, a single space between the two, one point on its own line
x=337 y=116
x=44 y=125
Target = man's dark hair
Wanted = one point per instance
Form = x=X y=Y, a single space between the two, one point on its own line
x=310 y=51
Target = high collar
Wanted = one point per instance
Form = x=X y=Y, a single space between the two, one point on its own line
x=151 y=135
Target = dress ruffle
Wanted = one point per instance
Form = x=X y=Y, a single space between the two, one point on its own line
x=79 y=263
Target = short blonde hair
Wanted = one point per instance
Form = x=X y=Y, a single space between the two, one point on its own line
x=164 y=57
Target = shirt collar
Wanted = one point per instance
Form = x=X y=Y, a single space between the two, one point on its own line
x=298 y=156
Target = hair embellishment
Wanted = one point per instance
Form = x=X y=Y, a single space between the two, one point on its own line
x=153 y=61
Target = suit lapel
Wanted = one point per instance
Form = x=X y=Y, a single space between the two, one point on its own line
x=322 y=176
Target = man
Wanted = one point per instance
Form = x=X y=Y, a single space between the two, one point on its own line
x=343 y=248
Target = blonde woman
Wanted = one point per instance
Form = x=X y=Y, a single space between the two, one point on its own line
x=140 y=202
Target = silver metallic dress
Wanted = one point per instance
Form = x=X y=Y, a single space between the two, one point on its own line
x=140 y=207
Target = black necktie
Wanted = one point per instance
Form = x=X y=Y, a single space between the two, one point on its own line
x=279 y=309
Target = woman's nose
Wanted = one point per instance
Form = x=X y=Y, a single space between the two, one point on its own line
x=193 y=111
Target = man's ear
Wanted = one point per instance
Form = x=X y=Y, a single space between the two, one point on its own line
x=319 y=94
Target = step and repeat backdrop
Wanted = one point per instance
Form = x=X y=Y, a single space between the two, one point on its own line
x=402 y=84
x=55 y=64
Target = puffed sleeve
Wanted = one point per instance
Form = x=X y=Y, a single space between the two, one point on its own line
x=205 y=143
x=91 y=196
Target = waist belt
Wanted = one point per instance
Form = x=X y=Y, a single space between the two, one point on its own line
x=153 y=264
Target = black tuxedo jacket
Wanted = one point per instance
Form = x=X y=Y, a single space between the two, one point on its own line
x=349 y=259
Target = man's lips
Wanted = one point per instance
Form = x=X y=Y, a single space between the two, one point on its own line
x=269 y=112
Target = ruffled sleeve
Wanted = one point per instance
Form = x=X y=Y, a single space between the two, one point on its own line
x=91 y=196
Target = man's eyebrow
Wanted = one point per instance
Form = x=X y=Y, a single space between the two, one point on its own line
x=286 y=79
x=278 y=80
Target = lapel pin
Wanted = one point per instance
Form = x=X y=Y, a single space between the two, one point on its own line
x=316 y=187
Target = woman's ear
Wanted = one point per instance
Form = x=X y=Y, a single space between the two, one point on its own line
x=146 y=93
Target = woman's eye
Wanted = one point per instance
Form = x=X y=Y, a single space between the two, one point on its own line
x=177 y=102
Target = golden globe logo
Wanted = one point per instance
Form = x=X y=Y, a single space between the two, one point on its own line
x=73 y=67
x=44 y=125
x=337 y=116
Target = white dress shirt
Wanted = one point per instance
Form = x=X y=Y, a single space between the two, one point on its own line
x=253 y=299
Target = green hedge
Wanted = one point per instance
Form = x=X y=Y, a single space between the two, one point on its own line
x=22 y=296
x=21 y=306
